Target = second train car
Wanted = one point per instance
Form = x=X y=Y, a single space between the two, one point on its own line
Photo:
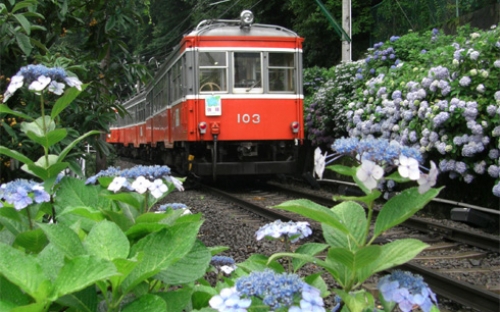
x=227 y=101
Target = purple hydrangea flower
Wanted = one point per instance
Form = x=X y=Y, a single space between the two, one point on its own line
x=407 y=290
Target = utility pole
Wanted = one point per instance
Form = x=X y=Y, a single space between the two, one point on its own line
x=346 y=26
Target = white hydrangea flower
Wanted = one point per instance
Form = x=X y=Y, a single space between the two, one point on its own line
x=40 y=84
x=117 y=184
x=426 y=181
x=408 y=168
x=157 y=188
x=141 y=184
x=369 y=174
x=319 y=163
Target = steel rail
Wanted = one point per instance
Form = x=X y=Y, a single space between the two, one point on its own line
x=487 y=242
x=460 y=292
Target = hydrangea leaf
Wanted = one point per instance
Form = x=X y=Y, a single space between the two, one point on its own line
x=22 y=270
x=162 y=249
x=354 y=217
x=191 y=267
x=401 y=207
x=15 y=155
x=258 y=262
x=80 y=272
x=354 y=260
x=311 y=249
x=124 y=267
x=5 y=109
x=50 y=138
x=176 y=300
x=64 y=238
x=32 y=240
x=147 y=302
x=66 y=99
x=84 y=300
x=13 y=221
x=344 y=170
x=310 y=209
x=106 y=240
x=393 y=254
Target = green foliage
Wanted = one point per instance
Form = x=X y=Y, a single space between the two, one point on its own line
x=351 y=258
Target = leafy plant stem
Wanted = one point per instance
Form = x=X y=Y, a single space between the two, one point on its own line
x=42 y=107
x=368 y=223
x=29 y=218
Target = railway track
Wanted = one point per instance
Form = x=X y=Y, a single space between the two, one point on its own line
x=446 y=244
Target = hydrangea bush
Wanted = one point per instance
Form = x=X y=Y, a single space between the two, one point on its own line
x=437 y=93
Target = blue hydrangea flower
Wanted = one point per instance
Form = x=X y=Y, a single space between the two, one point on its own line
x=290 y=229
x=223 y=263
x=21 y=193
x=280 y=290
x=407 y=290
x=38 y=77
x=139 y=178
x=174 y=206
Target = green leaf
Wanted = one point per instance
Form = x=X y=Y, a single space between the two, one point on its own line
x=23 y=270
x=51 y=259
x=396 y=177
x=5 y=109
x=34 y=307
x=23 y=4
x=368 y=199
x=24 y=43
x=12 y=294
x=32 y=240
x=83 y=301
x=68 y=148
x=63 y=102
x=80 y=272
x=13 y=220
x=356 y=301
x=177 y=300
x=311 y=249
x=73 y=192
x=306 y=258
x=162 y=249
x=23 y=21
x=39 y=126
x=188 y=269
x=401 y=207
x=131 y=198
x=106 y=240
x=64 y=238
x=318 y=282
x=344 y=170
x=50 y=139
x=393 y=254
x=354 y=260
x=15 y=155
x=88 y=216
x=124 y=267
x=148 y=302
x=313 y=211
x=257 y=262
x=354 y=217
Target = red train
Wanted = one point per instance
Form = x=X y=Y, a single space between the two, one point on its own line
x=227 y=101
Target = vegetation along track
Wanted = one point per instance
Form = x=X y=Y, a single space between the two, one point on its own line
x=460 y=265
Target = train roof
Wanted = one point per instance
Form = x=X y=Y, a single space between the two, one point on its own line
x=222 y=27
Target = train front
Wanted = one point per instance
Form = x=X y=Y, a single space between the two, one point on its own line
x=247 y=104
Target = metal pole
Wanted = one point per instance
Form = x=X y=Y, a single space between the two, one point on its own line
x=346 y=25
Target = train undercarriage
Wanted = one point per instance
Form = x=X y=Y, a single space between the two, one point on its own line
x=221 y=158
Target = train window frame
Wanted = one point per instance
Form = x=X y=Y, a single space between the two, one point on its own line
x=253 y=81
x=288 y=81
x=215 y=73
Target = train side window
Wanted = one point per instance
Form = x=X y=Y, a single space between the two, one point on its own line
x=281 y=72
x=247 y=72
x=213 y=71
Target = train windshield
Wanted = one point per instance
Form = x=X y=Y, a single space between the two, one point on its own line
x=248 y=72
x=281 y=72
x=213 y=71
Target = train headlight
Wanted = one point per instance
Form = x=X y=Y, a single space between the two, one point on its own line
x=246 y=18
x=295 y=127
x=202 y=126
